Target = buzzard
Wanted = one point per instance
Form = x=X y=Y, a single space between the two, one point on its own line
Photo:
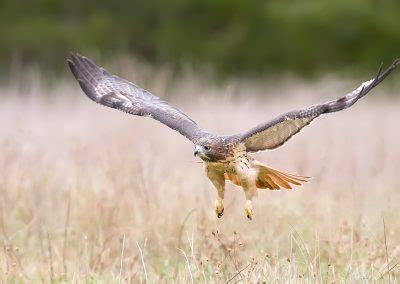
x=224 y=157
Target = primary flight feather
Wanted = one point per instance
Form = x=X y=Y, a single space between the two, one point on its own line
x=225 y=157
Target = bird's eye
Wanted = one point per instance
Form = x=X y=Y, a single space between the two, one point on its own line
x=206 y=148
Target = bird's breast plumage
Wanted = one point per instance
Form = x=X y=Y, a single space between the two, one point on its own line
x=237 y=158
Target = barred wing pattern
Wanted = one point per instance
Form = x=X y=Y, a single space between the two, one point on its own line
x=272 y=134
x=112 y=91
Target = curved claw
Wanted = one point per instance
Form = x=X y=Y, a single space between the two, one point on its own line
x=249 y=213
x=219 y=208
x=249 y=210
x=220 y=214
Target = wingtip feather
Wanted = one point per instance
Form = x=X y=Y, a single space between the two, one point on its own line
x=73 y=68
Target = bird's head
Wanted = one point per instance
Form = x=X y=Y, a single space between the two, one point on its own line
x=211 y=150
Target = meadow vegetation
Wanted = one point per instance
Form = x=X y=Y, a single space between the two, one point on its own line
x=89 y=194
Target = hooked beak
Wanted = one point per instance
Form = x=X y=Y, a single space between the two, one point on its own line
x=197 y=150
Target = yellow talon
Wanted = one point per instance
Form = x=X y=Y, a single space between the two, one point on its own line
x=219 y=208
x=249 y=210
x=249 y=213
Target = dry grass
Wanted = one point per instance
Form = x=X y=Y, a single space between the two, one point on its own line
x=91 y=194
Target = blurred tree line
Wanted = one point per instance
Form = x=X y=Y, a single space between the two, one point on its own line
x=245 y=37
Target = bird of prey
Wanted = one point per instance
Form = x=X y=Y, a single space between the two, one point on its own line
x=225 y=157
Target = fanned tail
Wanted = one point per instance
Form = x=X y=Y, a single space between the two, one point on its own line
x=275 y=180
x=271 y=178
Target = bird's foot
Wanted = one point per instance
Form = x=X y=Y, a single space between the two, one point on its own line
x=248 y=209
x=219 y=208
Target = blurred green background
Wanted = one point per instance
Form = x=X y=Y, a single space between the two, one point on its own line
x=229 y=37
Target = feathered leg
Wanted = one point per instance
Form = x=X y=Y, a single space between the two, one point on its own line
x=218 y=180
x=248 y=177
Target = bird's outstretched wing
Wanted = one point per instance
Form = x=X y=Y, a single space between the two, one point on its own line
x=274 y=133
x=112 y=91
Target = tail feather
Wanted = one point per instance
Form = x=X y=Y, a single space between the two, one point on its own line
x=271 y=178
x=292 y=181
x=268 y=181
x=274 y=179
x=301 y=178
x=289 y=179
x=277 y=179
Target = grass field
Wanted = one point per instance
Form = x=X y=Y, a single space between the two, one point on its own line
x=89 y=194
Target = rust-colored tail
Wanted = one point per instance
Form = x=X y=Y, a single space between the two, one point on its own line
x=274 y=179
x=271 y=178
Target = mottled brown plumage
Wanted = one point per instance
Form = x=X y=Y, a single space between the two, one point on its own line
x=225 y=157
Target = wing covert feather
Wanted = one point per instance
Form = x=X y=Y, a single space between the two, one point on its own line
x=274 y=133
x=115 y=92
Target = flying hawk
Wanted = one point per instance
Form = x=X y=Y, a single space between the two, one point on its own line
x=224 y=157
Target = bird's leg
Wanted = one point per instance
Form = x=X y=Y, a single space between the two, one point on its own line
x=218 y=180
x=248 y=177
x=219 y=207
x=248 y=207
